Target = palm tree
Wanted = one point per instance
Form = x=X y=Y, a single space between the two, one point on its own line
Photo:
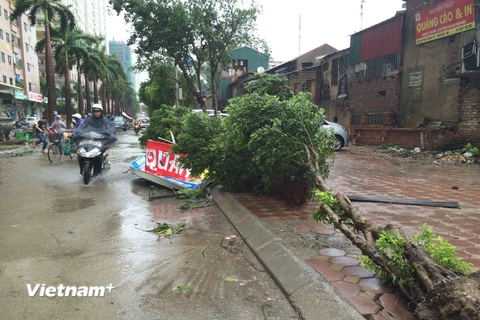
x=81 y=58
x=51 y=9
x=66 y=43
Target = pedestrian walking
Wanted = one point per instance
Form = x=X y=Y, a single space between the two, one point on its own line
x=39 y=130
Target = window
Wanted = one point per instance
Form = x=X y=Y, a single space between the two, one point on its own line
x=25 y=26
x=10 y=60
x=11 y=81
x=27 y=47
x=1 y=33
x=307 y=86
x=7 y=37
x=30 y=86
x=5 y=14
x=28 y=66
x=325 y=66
x=3 y=58
x=4 y=79
x=15 y=22
x=334 y=80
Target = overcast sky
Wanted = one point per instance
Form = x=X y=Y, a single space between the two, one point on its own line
x=322 y=21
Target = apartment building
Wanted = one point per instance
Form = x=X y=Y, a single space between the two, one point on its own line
x=19 y=74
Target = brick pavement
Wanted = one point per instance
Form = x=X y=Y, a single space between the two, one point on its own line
x=369 y=172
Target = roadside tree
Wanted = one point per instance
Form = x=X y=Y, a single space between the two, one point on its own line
x=197 y=35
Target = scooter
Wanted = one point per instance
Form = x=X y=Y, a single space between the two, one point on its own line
x=136 y=128
x=92 y=156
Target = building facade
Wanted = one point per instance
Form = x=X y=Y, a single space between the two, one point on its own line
x=124 y=55
x=19 y=70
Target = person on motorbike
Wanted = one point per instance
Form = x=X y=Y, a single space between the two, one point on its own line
x=99 y=124
x=78 y=121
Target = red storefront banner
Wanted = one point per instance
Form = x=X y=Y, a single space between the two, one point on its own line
x=32 y=96
x=444 y=19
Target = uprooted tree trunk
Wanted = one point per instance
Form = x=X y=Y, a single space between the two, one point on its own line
x=438 y=292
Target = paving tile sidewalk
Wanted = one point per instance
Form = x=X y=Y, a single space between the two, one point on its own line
x=369 y=172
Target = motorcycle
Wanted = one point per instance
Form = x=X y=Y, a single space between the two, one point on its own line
x=92 y=156
x=136 y=128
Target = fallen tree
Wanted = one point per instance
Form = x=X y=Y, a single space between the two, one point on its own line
x=438 y=292
x=266 y=140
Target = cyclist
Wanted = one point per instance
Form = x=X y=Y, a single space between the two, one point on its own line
x=59 y=126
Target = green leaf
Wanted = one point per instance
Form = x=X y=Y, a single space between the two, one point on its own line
x=230 y=278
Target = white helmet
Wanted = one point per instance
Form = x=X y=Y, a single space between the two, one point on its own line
x=97 y=106
x=77 y=115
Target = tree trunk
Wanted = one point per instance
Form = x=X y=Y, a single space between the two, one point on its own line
x=68 y=96
x=104 y=98
x=95 y=89
x=364 y=234
x=87 y=92
x=80 y=92
x=50 y=70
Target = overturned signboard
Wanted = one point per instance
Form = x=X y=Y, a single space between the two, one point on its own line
x=159 y=165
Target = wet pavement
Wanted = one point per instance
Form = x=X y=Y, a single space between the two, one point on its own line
x=57 y=231
x=370 y=172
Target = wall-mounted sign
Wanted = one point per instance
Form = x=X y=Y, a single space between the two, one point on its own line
x=32 y=96
x=19 y=95
x=444 y=19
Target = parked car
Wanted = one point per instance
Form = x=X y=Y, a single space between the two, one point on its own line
x=341 y=134
x=144 y=122
x=31 y=121
x=210 y=112
x=119 y=123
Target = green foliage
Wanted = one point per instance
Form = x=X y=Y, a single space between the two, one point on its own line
x=473 y=150
x=263 y=140
x=163 y=121
x=440 y=250
x=274 y=85
x=201 y=32
x=389 y=145
x=393 y=246
x=329 y=199
x=160 y=87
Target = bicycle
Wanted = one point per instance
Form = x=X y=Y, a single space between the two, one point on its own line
x=57 y=150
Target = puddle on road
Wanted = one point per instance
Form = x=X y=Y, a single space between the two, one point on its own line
x=72 y=204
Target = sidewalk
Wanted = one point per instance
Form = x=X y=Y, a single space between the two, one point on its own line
x=307 y=245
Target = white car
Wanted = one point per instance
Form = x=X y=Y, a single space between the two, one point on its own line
x=210 y=112
x=341 y=134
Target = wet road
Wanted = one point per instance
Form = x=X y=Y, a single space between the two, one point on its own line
x=56 y=231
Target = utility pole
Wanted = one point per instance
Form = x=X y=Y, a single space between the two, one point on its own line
x=361 y=14
x=176 y=87
x=299 y=31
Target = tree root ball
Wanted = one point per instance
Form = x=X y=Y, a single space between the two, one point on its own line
x=457 y=299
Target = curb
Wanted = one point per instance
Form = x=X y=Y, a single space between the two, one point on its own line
x=308 y=292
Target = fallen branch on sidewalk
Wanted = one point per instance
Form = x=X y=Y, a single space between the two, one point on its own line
x=410 y=266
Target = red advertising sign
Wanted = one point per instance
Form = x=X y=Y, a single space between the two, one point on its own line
x=160 y=161
x=32 y=96
x=444 y=19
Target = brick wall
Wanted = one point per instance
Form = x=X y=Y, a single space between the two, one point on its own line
x=469 y=109
x=374 y=95
x=408 y=138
